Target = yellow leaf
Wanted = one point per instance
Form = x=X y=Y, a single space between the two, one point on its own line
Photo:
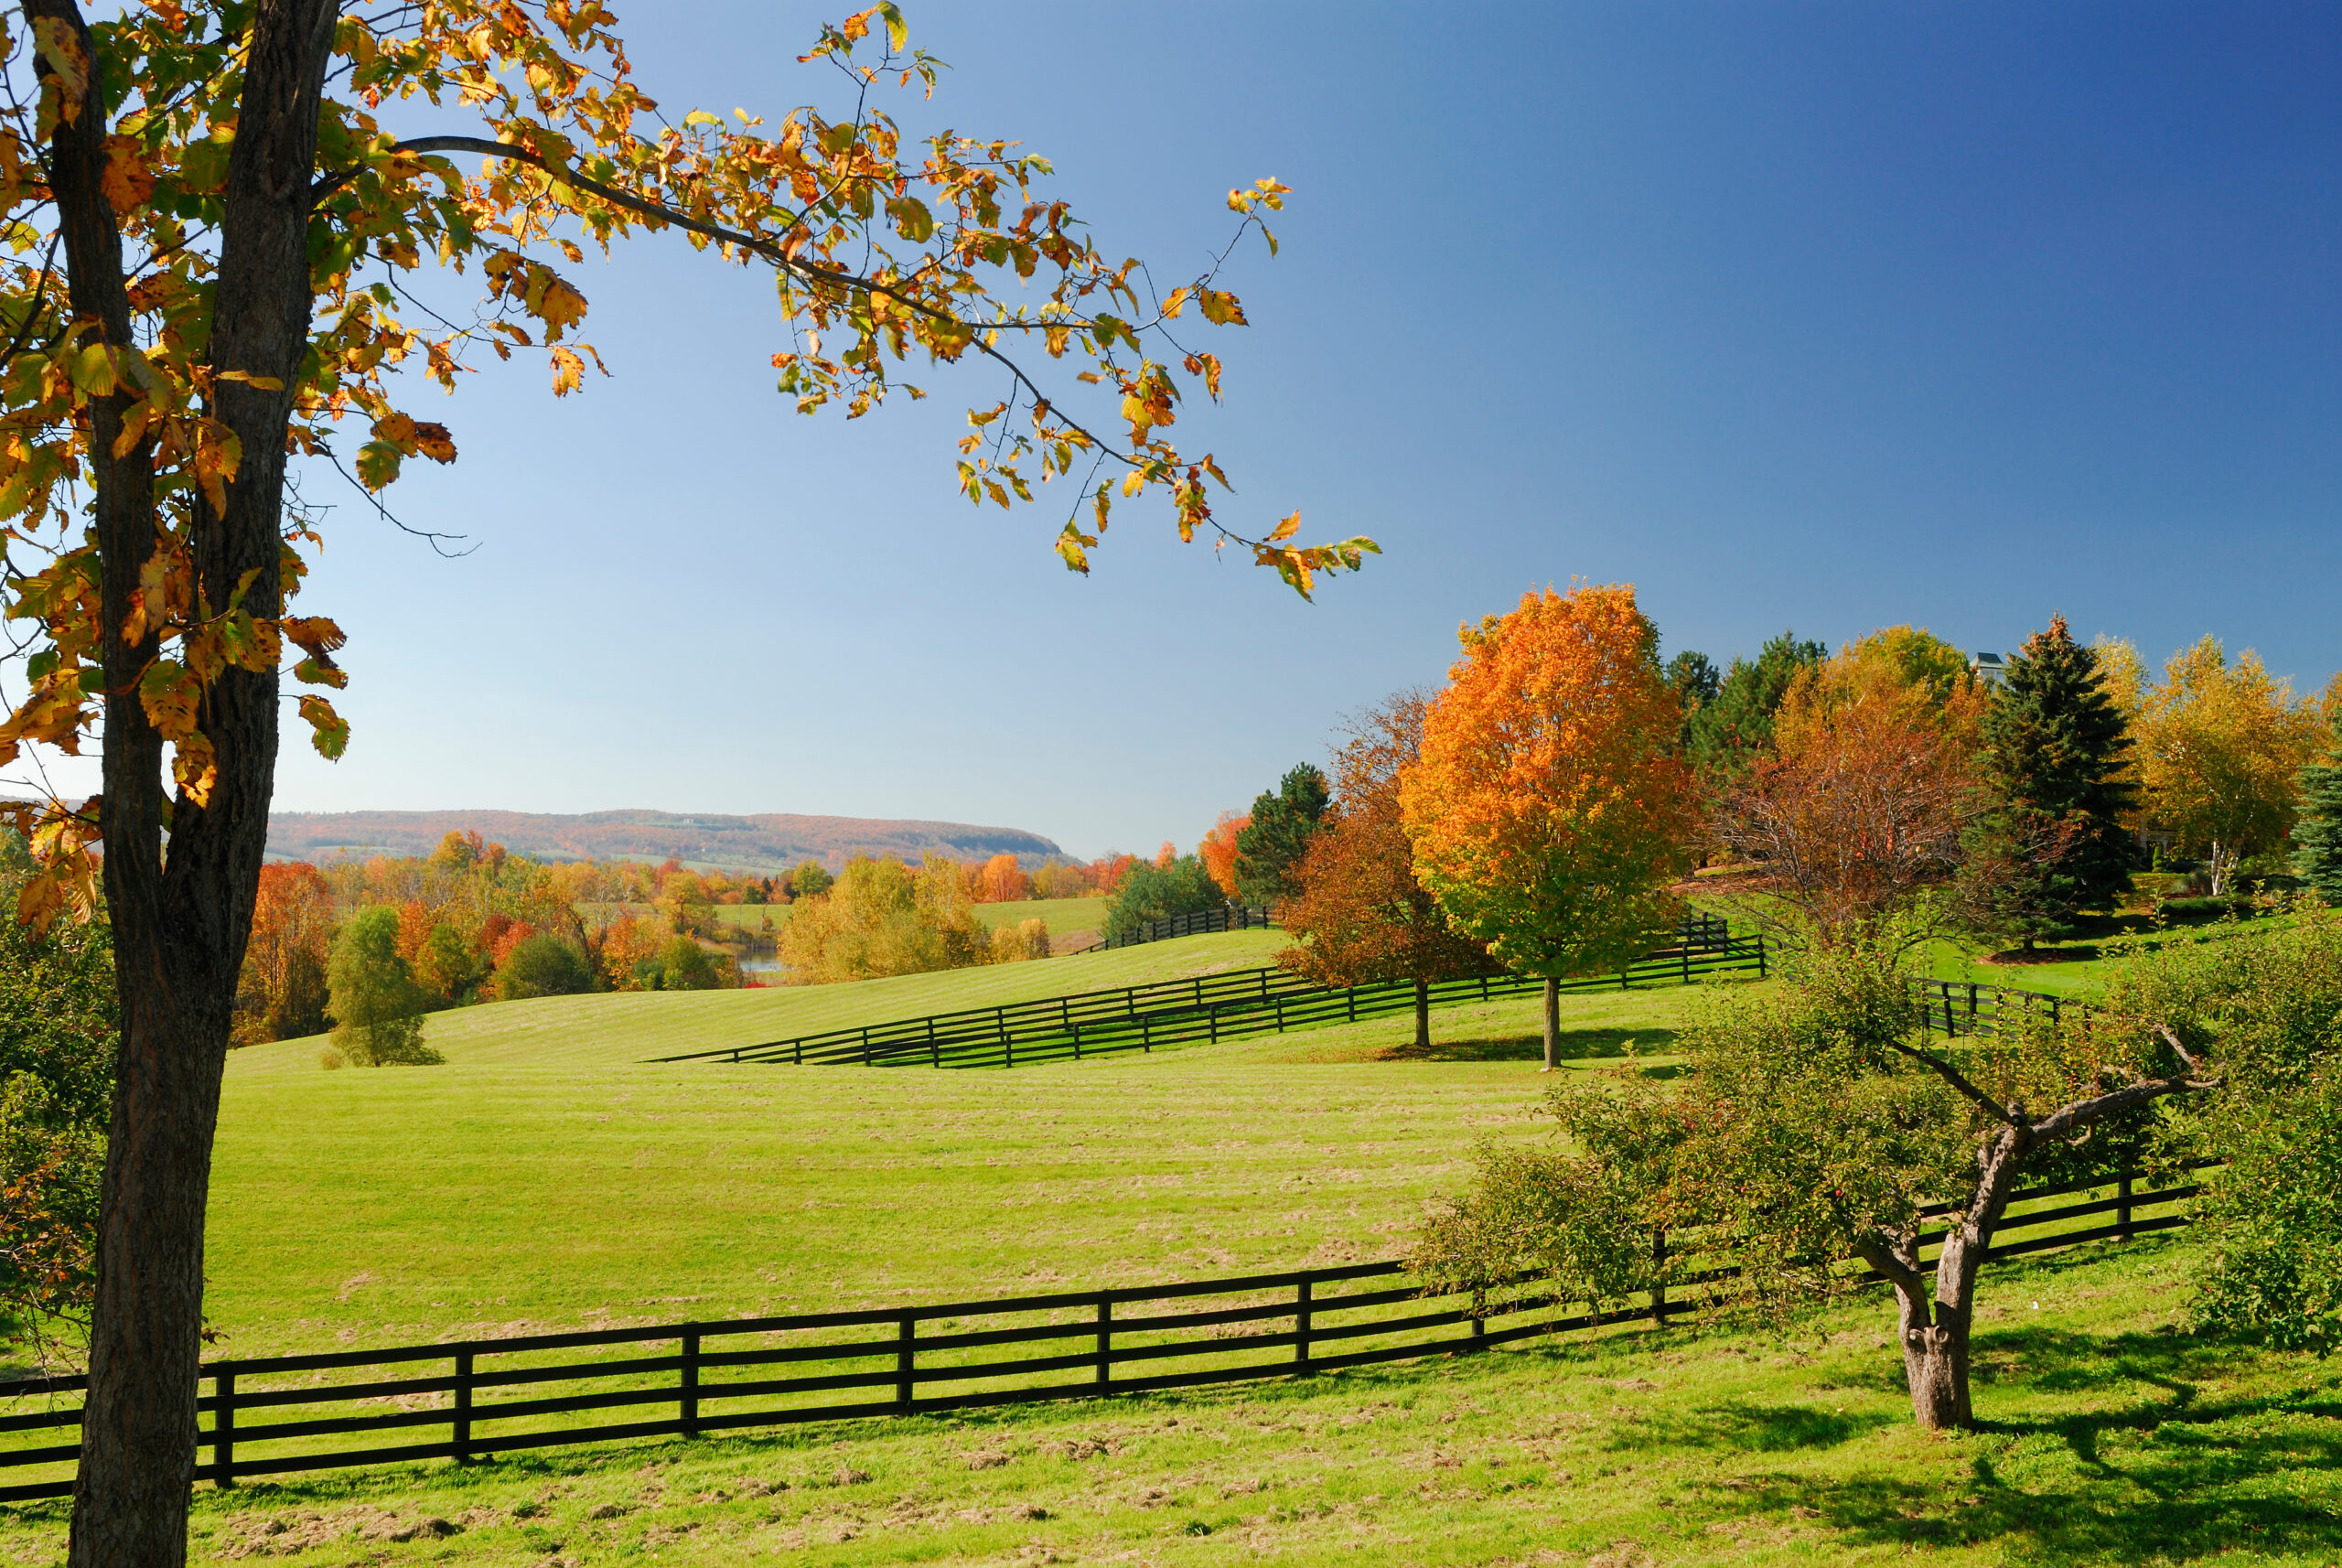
x=1286 y=529
x=1131 y=481
x=568 y=372
x=127 y=181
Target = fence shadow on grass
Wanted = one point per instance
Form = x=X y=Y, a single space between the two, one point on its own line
x=1576 y=1045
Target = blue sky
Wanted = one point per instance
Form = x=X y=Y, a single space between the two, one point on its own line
x=1822 y=316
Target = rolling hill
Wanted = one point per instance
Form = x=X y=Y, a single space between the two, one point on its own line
x=762 y=844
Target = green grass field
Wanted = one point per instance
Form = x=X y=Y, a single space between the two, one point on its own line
x=549 y=1176
x=2108 y=1438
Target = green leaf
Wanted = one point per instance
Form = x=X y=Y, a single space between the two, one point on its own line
x=378 y=463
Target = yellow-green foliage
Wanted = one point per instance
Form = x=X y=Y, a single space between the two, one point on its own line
x=883 y=917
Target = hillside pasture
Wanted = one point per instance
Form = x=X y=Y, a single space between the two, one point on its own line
x=548 y=1177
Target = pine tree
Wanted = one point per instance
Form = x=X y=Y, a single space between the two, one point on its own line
x=2317 y=836
x=2053 y=842
x=1269 y=850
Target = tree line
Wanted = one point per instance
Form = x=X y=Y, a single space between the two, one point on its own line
x=1544 y=809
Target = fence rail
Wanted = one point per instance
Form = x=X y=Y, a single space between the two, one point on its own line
x=479 y=1397
x=1956 y=1007
x=1197 y=923
x=1209 y=1008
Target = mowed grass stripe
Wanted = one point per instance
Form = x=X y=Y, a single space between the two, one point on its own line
x=568 y=1187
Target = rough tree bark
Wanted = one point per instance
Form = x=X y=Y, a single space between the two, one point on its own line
x=180 y=921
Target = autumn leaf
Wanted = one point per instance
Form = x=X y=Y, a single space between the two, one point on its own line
x=60 y=50
x=434 y=441
x=127 y=181
x=568 y=372
x=1220 y=307
x=329 y=731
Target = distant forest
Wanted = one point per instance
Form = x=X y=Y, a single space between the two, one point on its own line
x=760 y=843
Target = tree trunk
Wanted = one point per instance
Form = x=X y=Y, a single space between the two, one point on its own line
x=1553 y=1024
x=1423 y=1014
x=180 y=924
x=1935 y=1364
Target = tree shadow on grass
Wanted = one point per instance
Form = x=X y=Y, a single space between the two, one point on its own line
x=2169 y=1477
x=1576 y=1045
x=1747 y=1426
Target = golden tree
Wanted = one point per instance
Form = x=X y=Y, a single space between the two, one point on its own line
x=1549 y=810
x=2219 y=748
x=208 y=257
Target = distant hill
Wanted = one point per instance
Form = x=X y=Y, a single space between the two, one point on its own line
x=762 y=844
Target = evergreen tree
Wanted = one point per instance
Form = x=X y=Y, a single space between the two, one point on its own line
x=1730 y=724
x=2317 y=836
x=2053 y=842
x=1268 y=852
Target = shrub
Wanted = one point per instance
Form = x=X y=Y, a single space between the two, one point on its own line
x=377 y=1006
x=1183 y=887
x=1025 y=940
x=544 y=965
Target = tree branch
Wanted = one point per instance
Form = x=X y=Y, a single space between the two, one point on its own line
x=1958 y=1081
x=780 y=257
x=1873 y=1250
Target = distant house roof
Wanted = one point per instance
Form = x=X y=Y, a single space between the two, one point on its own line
x=1990 y=668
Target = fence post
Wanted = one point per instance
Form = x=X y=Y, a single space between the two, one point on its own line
x=1352 y=992
x=903 y=1354
x=690 y=1400
x=934 y=1051
x=1659 y=1277
x=2053 y=1012
x=1760 y=956
x=223 y=1426
x=462 y=1422
x=1302 y=1316
x=865 y=1045
x=1105 y=1341
x=1687 y=960
x=1146 y=1032
x=2123 y=1214
x=1951 y=1025
x=1971 y=1006
x=1480 y=1319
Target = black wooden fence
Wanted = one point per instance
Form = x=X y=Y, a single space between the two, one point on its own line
x=1197 y=923
x=1955 y=1007
x=1209 y=1008
x=469 y=1399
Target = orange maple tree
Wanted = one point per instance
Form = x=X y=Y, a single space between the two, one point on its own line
x=1549 y=810
x=1001 y=881
x=213 y=240
x=1218 y=851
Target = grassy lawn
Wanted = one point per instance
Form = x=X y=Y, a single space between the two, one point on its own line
x=548 y=1177
x=2108 y=1438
